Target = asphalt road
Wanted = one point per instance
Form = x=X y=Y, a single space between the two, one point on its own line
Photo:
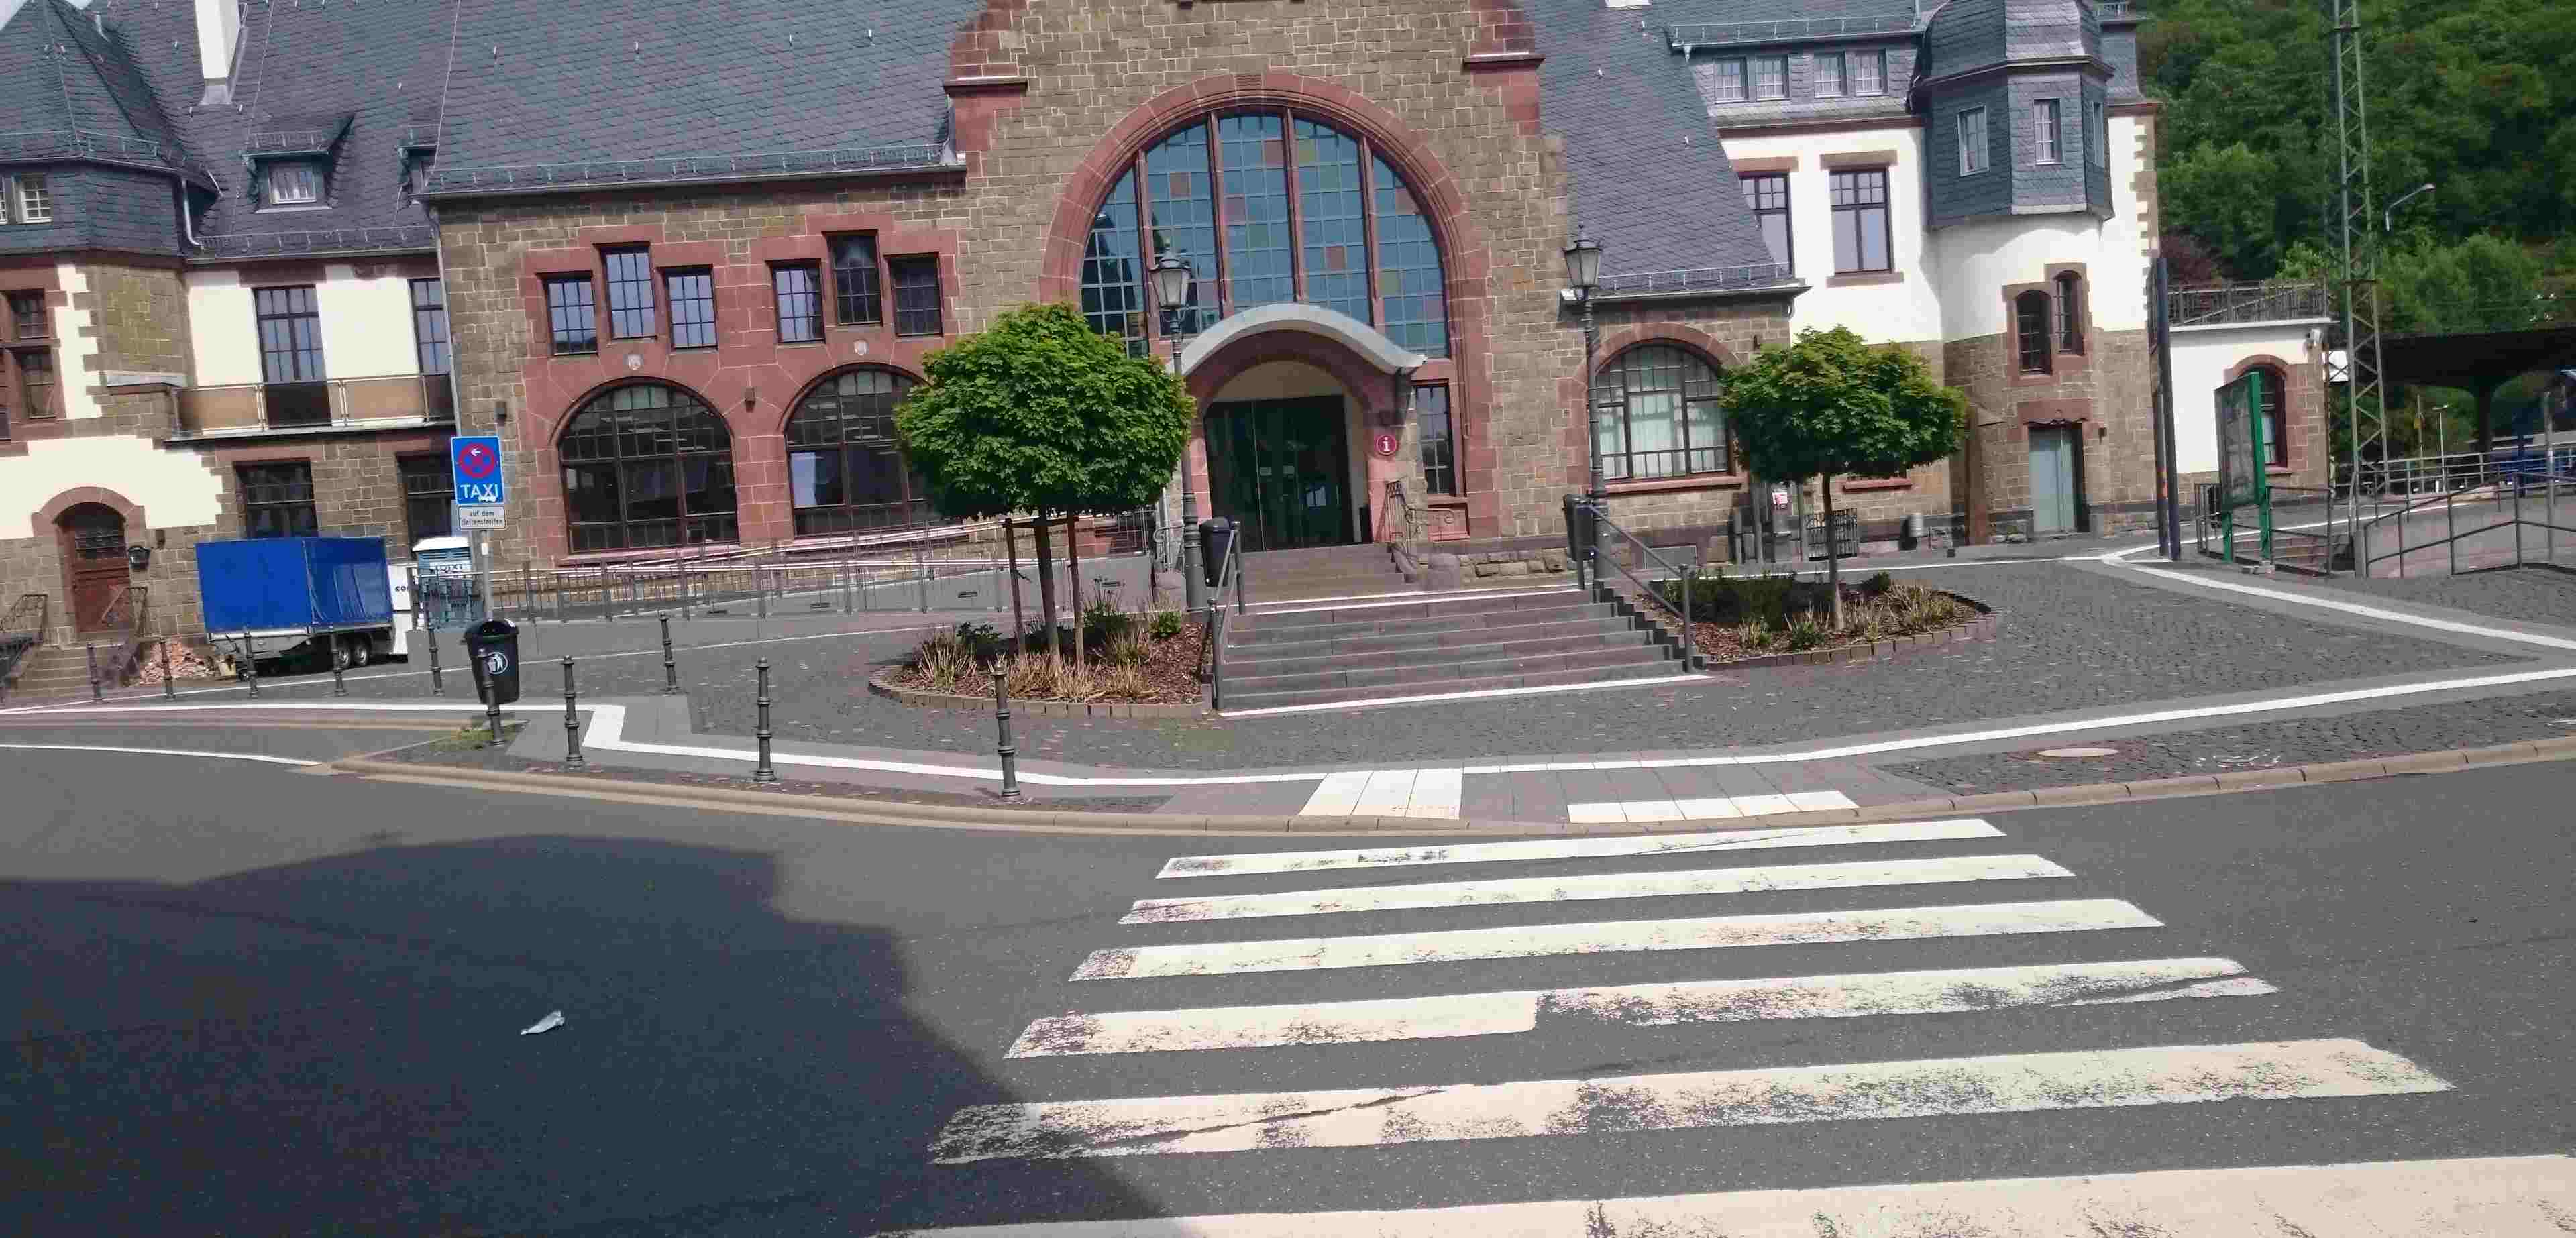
x=245 y=1000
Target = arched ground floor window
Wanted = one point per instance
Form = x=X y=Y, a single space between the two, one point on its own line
x=846 y=473
x=647 y=465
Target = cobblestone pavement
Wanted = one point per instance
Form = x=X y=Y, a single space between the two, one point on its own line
x=2527 y=594
x=2069 y=639
x=2262 y=745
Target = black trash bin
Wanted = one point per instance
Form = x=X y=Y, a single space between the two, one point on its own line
x=1215 y=538
x=492 y=647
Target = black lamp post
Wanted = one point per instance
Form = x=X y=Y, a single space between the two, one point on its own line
x=1169 y=279
x=1582 y=275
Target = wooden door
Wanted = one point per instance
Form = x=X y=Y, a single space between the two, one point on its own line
x=2052 y=479
x=93 y=538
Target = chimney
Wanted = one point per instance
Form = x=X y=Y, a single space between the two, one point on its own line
x=218 y=42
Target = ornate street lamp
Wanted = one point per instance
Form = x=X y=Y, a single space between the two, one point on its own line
x=1169 y=278
x=1582 y=276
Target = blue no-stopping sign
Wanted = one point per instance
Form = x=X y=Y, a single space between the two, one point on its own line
x=475 y=460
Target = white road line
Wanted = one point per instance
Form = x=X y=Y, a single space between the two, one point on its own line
x=1937 y=1087
x=2366 y=612
x=1535 y=941
x=2468 y=1197
x=158 y=752
x=1388 y=794
x=1645 y=1005
x=1336 y=795
x=1762 y=805
x=1819 y=801
x=1510 y=890
x=1577 y=848
x=1712 y=808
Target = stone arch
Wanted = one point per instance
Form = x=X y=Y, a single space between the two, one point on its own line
x=1626 y=336
x=51 y=514
x=787 y=409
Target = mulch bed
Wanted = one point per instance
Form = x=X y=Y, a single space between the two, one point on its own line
x=1171 y=671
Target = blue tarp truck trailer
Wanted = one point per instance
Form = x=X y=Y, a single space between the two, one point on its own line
x=272 y=596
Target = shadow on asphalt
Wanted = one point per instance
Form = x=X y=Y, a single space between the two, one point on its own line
x=334 y=1047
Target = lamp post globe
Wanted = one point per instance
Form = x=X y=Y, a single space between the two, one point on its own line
x=1169 y=278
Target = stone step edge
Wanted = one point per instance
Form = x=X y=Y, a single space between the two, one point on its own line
x=1002 y=816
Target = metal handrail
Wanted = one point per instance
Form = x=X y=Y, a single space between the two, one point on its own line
x=2521 y=482
x=2266 y=301
x=1687 y=574
x=1415 y=523
x=22 y=628
x=130 y=612
x=1229 y=575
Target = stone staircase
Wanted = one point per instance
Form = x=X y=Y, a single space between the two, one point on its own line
x=1362 y=571
x=1291 y=653
x=57 y=671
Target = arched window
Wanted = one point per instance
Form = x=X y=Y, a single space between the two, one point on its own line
x=845 y=471
x=1266 y=205
x=2275 y=413
x=2030 y=329
x=1655 y=413
x=647 y=465
x=2070 y=312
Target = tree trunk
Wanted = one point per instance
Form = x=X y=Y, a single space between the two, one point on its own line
x=1046 y=585
x=1073 y=581
x=1833 y=562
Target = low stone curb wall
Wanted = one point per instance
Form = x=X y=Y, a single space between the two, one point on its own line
x=1981 y=628
x=878 y=812
x=878 y=684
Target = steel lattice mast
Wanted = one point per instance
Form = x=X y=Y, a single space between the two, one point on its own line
x=2357 y=282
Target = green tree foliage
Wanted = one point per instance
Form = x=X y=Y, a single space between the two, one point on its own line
x=2474 y=95
x=1830 y=405
x=1043 y=415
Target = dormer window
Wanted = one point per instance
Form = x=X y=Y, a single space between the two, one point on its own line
x=1730 y=81
x=294 y=182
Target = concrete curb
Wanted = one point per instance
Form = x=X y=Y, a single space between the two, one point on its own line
x=1034 y=709
x=999 y=815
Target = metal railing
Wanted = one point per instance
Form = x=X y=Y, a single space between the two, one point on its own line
x=22 y=628
x=243 y=408
x=1697 y=279
x=2458 y=470
x=694 y=168
x=1400 y=515
x=1641 y=558
x=335 y=241
x=1229 y=576
x=2115 y=11
x=2269 y=301
x=2506 y=504
x=1705 y=34
x=129 y=612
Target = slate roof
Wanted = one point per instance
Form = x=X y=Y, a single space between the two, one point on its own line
x=1650 y=181
x=70 y=91
x=702 y=90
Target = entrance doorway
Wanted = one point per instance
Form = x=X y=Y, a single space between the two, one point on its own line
x=2056 y=479
x=93 y=541
x=1280 y=469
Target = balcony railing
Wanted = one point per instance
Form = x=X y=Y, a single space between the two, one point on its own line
x=252 y=408
x=1697 y=279
x=2236 y=303
x=1707 y=34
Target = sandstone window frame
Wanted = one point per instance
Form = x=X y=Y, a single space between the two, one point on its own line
x=914 y=281
x=691 y=293
x=2032 y=340
x=796 y=294
x=858 y=279
x=634 y=312
x=844 y=424
x=1437 y=427
x=1687 y=405
x=277 y=499
x=643 y=448
x=1862 y=213
x=2070 y=312
x=572 y=314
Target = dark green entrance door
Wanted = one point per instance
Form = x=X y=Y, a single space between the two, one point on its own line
x=1280 y=469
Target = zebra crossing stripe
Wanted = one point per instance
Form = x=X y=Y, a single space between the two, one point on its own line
x=1375 y=1117
x=1852 y=875
x=1645 y=1005
x=2469 y=1195
x=1551 y=940
x=1576 y=848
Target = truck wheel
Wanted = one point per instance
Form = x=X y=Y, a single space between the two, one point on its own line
x=362 y=649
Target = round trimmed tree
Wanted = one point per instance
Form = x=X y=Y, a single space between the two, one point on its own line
x=1832 y=405
x=1041 y=414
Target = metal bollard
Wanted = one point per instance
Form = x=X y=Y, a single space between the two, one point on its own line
x=95 y=692
x=572 y=722
x=492 y=713
x=1002 y=719
x=169 y=686
x=437 y=683
x=250 y=668
x=763 y=771
x=670 y=668
x=339 y=682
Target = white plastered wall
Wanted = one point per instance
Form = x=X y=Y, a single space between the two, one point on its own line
x=366 y=325
x=1905 y=311
x=2202 y=356
x=175 y=488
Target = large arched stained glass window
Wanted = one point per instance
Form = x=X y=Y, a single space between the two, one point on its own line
x=647 y=465
x=1266 y=205
x=845 y=471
